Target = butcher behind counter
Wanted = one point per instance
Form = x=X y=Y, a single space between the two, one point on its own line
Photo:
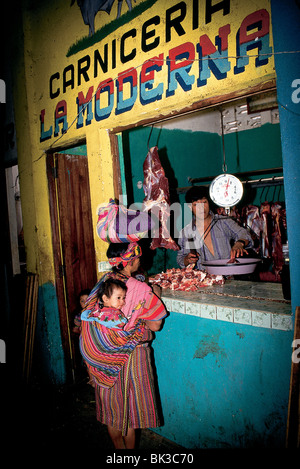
x=209 y=236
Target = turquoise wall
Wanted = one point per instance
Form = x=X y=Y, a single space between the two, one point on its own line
x=186 y=154
x=50 y=362
x=222 y=385
x=81 y=150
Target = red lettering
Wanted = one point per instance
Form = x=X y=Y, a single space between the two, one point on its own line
x=104 y=84
x=130 y=73
x=176 y=52
x=259 y=19
x=208 y=48
x=149 y=75
x=61 y=109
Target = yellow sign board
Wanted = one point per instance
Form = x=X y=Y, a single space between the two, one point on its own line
x=172 y=55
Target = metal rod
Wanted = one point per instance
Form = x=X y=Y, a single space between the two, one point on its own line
x=245 y=174
x=224 y=167
x=263 y=182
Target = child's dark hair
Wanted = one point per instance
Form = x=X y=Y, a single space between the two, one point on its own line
x=107 y=287
x=86 y=291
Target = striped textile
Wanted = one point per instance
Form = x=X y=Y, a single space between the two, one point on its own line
x=141 y=303
x=92 y=299
x=130 y=404
x=115 y=221
x=130 y=401
x=106 y=351
x=133 y=251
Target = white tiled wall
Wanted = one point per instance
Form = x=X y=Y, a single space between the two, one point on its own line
x=230 y=314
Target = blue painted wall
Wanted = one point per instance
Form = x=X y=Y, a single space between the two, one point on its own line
x=50 y=360
x=286 y=32
x=222 y=385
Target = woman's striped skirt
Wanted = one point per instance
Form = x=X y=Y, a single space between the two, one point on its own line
x=131 y=402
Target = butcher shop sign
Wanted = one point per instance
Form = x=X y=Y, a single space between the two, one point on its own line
x=175 y=57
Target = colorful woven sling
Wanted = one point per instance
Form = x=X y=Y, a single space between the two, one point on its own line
x=105 y=350
x=117 y=224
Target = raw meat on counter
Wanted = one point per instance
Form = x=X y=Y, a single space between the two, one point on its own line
x=157 y=200
x=186 y=279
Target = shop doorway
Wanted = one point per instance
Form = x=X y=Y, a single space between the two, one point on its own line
x=73 y=242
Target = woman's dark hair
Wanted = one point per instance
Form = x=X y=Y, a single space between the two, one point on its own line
x=107 y=287
x=196 y=193
x=115 y=250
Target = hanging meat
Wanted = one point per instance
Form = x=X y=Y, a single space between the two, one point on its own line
x=265 y=213
x=252 y=220
x=234 y=213
x=278 y=219
x=157 y=200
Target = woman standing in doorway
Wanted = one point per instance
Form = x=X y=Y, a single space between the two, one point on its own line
x=130 y=403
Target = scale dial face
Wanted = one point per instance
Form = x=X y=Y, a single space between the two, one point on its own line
x=226 y=190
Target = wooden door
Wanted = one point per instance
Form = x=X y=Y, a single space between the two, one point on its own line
x=73 y=242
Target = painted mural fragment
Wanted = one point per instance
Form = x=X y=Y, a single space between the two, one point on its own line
x=89 y=9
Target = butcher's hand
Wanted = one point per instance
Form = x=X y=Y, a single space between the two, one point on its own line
x=237 y=250
x=190 y=259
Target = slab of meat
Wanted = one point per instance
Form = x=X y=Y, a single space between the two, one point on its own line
x=265 y=213
x=157 y=200
x=186 y=279
x=252 y=220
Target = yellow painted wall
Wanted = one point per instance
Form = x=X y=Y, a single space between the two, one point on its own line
x=50 y=28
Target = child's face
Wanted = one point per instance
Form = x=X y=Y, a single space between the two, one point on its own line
x=117 y=299
x=82 y=300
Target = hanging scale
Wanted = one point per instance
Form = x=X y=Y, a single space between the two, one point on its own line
x=226 y=190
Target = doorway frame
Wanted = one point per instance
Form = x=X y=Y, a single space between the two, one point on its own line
x=59 y=261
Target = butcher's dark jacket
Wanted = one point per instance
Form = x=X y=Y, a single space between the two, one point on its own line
x=223 y=230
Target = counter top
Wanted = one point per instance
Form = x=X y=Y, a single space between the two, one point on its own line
x=254 y=303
